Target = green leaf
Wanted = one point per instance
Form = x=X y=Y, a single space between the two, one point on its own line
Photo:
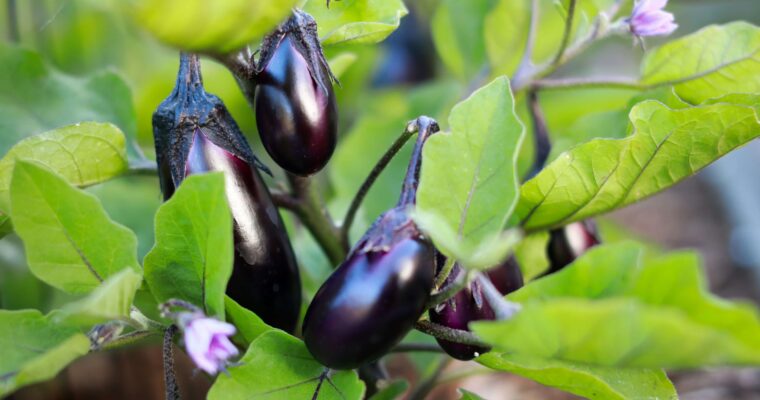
x=356 y=21
x=531 y=254
x=468 y=395
x=109 y=301
x=35 y=98
x=249 y=325
x=457 y=29
x=84 y=154
x=392 y=391
x=192 y=258
x=591 y=382
x=6 y=226
x=468 y=181
x=340 y=63
x=716 y=60
x=34 y=349
x=70 y=242
x=615 y=306
x=279 y=366
x=667 y=146
x=218 y=26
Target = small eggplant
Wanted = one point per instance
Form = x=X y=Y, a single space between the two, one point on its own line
x=377 y=294
x=570 y=242
x=468 y=305
x=194 y=133
x=296 y=113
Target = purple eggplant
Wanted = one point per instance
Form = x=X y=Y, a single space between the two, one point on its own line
x=570 y=242
x=296 y=113
x=377 y=294
x=194 y=133
x=468 y=305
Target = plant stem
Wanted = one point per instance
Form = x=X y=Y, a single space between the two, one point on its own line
x=170 y=379
x=575 y=83
x=542 y=143
x=129 y=339
x=526 y=64
x=13 y=30
x=452 y=335
x=313 y=214
x=502 y=308
x=143 y=168
x=449 y=291
x=369 y=181
x=417 y=347
x=448 y=266
x=566 y=35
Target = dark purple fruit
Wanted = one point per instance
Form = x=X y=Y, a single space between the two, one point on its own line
x=570 y=242
x=374 y=297
x=468 y=305
x=194 y=133
x=295 y=105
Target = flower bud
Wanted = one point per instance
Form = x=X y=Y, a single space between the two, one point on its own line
x=194 y=133
x=374 y=297
x=295 y=105
x=649 y=18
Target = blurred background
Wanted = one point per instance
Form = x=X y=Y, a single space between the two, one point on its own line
x=79 y=44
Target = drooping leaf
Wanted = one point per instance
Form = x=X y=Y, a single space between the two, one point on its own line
x=109 y=301
x=356 y=21
x=249 y=325
x=716 y=60
x=591 y=382
x=615 y=306
x=219 y=26
x=192 y=258
x=35 y=349
x=667 y=146
x=84 y=154
x=70 y=242
x=35 y=98
x=457 y=29
x=469 y=180
x=279 y=366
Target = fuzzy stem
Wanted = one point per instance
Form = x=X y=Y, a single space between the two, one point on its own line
x=370 y=180
x=448 y=266
x=170 y=379
x=566 y=35
x=449 y=334
x=425 y=126
x=449 y=291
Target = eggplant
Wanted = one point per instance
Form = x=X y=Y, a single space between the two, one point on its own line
x=377 y=294
x=570 y=242
x=296 y=112
x=194 y=133
x=468 y=305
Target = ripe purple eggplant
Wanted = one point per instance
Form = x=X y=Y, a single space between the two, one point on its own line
x=468 y=305
x=296 y=113
x=194 y=133
x=570 y=242
x=377 y=294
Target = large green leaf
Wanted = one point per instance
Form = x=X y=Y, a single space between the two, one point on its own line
x=249 y=325
x=35 y=98
x=717 y=60
x=356 y=21
x=278 y=366
x=70 y=242
x=468 y=183
x=615 y=306
x=84 y=154
x=111 y=300
x=667 y=146
x=457 y=29
x=217 y=26
x=591 y=382
x=192 y=258
x=35 y=349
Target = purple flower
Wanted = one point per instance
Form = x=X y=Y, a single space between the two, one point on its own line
x=207 y=342
x=649 y=19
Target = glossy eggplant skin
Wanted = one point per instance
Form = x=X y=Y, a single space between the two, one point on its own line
x=369 y=304
x=265 y=276
x=468 y=306
x=194 y=133
x=296 y=112
x=570 y=242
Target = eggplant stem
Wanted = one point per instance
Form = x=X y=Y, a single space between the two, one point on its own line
x=449 y=334
x=170 y=378
x=448 y=291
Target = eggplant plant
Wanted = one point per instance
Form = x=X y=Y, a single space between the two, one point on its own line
x=126 y=215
